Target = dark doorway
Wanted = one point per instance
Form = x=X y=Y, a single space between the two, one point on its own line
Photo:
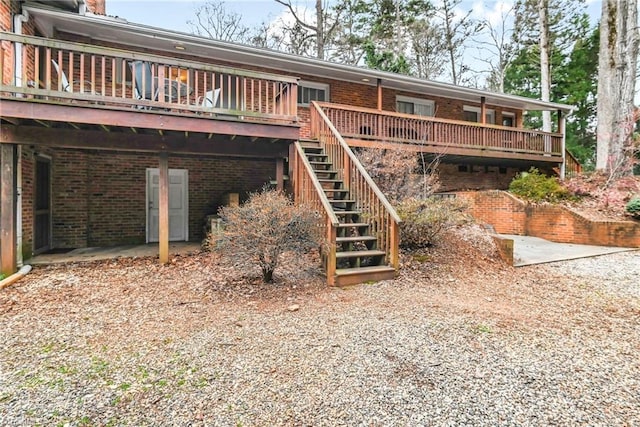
x=42 y=206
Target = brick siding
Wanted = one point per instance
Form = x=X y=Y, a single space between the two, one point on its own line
x=509 y=215
x=98 y=197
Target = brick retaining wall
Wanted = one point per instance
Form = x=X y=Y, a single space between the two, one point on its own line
x=509 y=215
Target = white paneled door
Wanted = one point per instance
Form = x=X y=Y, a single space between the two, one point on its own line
x=178 y=204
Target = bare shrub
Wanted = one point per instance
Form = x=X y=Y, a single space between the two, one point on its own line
x=399 y=173
x=263 y=228
x=423 y=220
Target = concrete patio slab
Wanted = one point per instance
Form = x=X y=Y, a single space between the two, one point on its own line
x=102 y=253
x=528 y=250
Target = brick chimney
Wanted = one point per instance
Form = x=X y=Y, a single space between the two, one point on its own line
x=96 y=6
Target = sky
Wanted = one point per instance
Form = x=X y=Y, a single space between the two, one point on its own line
x=174 y=14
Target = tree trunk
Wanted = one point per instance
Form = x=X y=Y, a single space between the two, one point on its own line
x=319 y=30
x=545 y=70
x=617 y=67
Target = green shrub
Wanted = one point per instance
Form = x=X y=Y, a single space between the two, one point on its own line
x=537 y=187
x=633 y=207
x=263 y=228
x=423 y=220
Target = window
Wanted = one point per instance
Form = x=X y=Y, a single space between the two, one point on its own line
x=508 y=119
x=311 y=91
x=417 y=106
x=472 y=114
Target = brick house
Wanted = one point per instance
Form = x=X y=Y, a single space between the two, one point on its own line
x=119 y=133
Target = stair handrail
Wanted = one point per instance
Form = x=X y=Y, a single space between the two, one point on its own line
x=385 y=223
x=572 y=164
x=358 y=164
x=314 y=179
x=329 y=225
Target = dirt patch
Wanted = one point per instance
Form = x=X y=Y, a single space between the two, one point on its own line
x=600 y=198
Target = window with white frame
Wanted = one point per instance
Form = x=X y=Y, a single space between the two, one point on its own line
x=472 y=114
x=508 y=119
x=417 y=106
x=312 y=91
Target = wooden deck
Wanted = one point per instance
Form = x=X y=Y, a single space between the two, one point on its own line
x=365 y=127
x=82 y=85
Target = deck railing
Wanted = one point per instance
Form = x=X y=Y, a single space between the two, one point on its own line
x=54 y=71
x=308 y=190
x=377 y=211
x=370 y=124
x=572 y=165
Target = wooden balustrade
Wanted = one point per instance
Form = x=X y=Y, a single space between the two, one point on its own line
x=377 y=210
x=54 y=71
x=308 y=190
x=572 y=165
x=386 y=126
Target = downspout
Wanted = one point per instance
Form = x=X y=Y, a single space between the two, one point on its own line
x=17 y=70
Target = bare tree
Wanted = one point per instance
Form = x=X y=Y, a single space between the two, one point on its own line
x=213 y=20
x=427 y=49
x=497 y=41
x=320 y=31
x=456 y=31
x=617 y=67
x=545 y=67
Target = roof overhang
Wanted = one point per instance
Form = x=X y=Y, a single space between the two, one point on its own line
x=113 y=29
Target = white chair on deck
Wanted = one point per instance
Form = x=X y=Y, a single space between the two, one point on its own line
x=62 y=77
x=64 y=81
x=210 y=99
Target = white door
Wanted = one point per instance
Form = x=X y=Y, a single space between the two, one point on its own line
x=178 y=204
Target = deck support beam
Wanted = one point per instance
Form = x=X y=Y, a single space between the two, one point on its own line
x=163 y=208
x=379 y=88
x=561 y=130
x=8 y=208
x=280 y=174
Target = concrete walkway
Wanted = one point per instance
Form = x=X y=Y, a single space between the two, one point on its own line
x=529 y=250
x=131 y=251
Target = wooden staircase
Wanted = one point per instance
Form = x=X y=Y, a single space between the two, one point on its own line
x=355 y=253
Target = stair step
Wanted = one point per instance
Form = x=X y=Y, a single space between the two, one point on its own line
x=341 y=201
x=353 y=276
x=329 y=180
x=329 y=171
x=313 y=162
x=359 y=254
x=338 y=212
x=355 y=239
x=304 y=141
x=335 y=190
x=316 y=155
x=353 y=224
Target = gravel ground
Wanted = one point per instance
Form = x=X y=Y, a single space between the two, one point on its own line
x=457 y=339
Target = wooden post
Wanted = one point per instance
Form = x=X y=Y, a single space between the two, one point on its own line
x=483 y=119
x=394 y=243
x=561 y=130
x=280 y=174
x=379 y=86
x=294 y=100
x=163 y=196
x=8 y=212
x=331 y=253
